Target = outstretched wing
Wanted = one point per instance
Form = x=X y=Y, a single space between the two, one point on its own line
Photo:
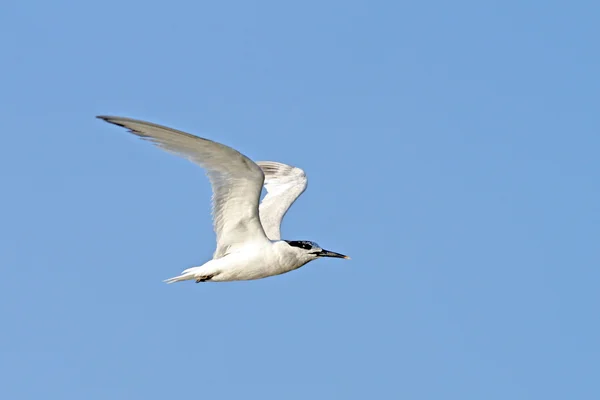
x=284 y=184
x=236 y=180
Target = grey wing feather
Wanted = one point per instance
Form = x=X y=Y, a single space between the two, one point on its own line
x=284 y=184
x=236 y=180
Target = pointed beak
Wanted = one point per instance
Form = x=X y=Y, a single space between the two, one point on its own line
x=327 y=253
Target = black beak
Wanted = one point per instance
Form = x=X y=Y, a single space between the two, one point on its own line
x=327 y=253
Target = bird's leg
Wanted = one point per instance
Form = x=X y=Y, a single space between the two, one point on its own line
x=204 y=278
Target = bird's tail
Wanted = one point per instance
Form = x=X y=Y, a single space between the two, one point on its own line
x=188 y=274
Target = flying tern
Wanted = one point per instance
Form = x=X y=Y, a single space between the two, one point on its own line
x=249 y=244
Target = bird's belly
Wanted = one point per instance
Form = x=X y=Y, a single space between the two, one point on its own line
x=241 y=267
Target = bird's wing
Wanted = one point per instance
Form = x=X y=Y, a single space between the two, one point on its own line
x=236 y=180
x=284 y=184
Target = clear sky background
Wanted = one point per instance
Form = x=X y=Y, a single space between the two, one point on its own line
x=451 y=149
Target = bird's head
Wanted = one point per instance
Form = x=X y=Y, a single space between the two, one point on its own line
x=312 y=251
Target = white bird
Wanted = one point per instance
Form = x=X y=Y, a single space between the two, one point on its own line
x=249 y=245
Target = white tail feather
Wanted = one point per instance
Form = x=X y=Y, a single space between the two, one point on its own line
x=186 y=275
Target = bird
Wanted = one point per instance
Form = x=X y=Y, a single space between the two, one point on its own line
x=249 y=244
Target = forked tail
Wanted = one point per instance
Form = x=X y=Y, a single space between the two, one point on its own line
x=187 y=275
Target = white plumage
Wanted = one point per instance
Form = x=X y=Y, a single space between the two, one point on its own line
x=249 y=244
x=284 y=184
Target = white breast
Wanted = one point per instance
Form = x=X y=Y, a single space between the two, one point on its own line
x=254 y=263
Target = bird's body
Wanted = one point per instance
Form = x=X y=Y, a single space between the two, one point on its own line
x=253 y=262
x=249 y=245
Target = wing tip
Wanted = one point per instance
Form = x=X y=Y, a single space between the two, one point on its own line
x=275 y=167
x=110 y=119
x=122 y=122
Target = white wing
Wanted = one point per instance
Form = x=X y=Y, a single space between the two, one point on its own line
x=284 y=184
x=236 y=180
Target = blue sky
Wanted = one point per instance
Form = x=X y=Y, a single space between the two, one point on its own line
x=451 y=150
